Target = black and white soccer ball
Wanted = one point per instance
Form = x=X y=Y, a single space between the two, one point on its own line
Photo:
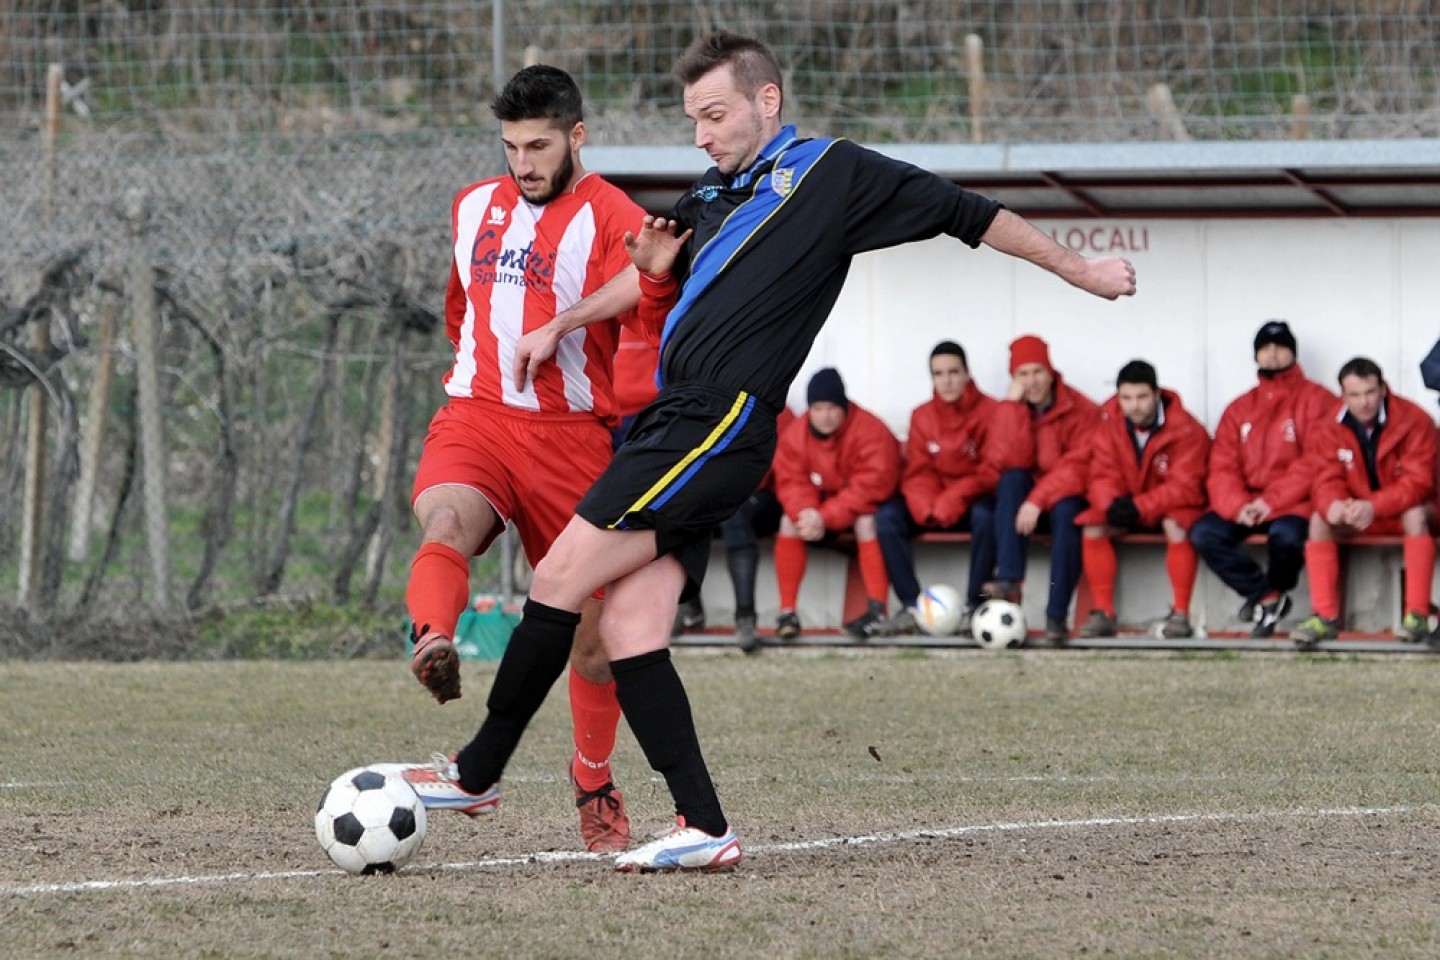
x=370 y=821
x=998 y=625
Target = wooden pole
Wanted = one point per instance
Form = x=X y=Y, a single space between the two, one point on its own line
x=145 y=332
x=1162 y=107
x=92 y=437
x=32 y=543
x=975 y=69
x=1300 y=117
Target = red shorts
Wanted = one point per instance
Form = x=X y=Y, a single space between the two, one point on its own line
x=532 y=467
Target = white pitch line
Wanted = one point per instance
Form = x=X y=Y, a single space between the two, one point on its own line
x=799 y=846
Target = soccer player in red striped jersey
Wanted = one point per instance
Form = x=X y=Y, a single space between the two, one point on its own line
x=526 y=246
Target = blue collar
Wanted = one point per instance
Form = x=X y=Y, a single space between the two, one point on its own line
x=769 y=152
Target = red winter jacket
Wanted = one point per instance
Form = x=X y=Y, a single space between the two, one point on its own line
x=1054 y=446
x=945 y=467
x=1404 y=461
x=783 y=419
x=845 y=475
x=1167 y=480
x=1261 y=443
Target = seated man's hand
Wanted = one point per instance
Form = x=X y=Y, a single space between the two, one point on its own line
x=1253 y=513
x=1360 y=514
x=1122 y=513
x=1335 y=514
x=810 y=525
x=1026 y=518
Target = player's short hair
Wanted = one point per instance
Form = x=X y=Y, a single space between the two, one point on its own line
x=1362 y=367
x=540 y=93
x=950 y=348
x=1137 y=372
x=751 y=62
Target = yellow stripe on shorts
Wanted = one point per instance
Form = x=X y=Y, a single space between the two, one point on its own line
x=688 y=459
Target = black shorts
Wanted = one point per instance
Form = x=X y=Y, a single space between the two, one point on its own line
x=690 y=460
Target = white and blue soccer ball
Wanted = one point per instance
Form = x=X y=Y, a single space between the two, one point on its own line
x=938 y=610
x=998 y=625
x=370 y=821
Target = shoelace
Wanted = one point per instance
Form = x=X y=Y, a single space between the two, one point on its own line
x=601 y=796
x=444 y=767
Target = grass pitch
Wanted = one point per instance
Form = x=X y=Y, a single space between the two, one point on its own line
x=892 y=804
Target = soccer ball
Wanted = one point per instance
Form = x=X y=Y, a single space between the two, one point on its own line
x=998 y=625
x=370 y=821
x=938 y=610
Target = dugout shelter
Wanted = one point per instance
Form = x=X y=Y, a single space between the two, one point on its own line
x=1340 y=238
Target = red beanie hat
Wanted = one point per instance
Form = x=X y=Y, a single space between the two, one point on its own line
x=1029 y=349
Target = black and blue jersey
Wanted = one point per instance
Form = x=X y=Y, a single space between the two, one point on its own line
x=772 y=247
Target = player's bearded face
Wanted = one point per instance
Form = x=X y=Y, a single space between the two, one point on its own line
x=540 y=158
x=540 y=187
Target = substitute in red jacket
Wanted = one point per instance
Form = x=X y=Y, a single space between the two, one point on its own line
x=1147 y=471
x=1039 y=433
x=1258 y=481
x=833 y=469
x=1374 y=472
x=947 y=483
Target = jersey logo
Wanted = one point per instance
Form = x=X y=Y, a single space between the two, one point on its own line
x=1162 y=464
x=1245 y=431
x=1290 y=431
x=783 y=181
x=817 y=480
x=1346 y=456
x=497 y=215
x=706 y=193
x=932 y=448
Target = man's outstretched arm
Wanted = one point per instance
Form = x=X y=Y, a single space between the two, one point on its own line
x=1108 y=277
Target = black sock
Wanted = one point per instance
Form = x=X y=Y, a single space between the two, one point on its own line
x=658 y=711
x=538 y=653
x=743 y=562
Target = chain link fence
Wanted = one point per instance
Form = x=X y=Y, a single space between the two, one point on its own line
x=278 y=176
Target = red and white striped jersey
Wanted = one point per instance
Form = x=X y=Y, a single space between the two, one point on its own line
x=515 y=267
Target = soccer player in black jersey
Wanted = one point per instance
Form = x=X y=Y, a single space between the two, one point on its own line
x=748 y=267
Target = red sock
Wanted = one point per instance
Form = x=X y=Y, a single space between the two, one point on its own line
x=872 y=570
x=1322 y=561
x=1098 y=555
x=439 y=588
x=1182 y=565
x=594 y=715
x=790 y=558
x=1419 y=568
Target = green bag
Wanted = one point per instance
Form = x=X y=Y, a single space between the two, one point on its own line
x=483 y=631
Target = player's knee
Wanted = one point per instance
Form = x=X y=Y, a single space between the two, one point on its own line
x=865 y=527
x=1415 y=521
x=1205 y=533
